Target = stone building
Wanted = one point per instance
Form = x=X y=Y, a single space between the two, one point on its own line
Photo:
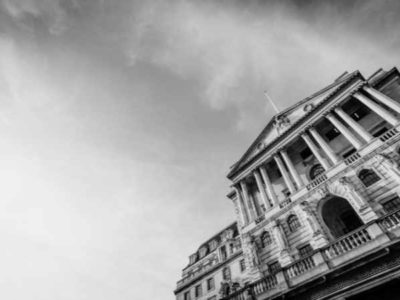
x=316 y=196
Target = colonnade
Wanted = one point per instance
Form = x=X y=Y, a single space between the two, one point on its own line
x=247 y=206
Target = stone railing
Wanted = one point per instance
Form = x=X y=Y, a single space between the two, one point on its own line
x=347 y=243
x=285 y=202
x=389 y=135
x=317 y=181
x=352 y=158
x=300 y=267
x=256 y=288
x=390 y=221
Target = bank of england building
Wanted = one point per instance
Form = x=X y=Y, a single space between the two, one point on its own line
x=317 y=204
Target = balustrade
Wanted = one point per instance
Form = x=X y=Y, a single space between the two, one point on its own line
x=285 y=202
x=391 y=221
x=300 y=267
x=352 y=158
x=317 y=181
x=348 y=243
x=389 y=135
x=256 y=288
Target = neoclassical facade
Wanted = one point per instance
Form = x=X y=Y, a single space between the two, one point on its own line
x=316 y=196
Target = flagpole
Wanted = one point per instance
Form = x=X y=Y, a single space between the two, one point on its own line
x=272 y=102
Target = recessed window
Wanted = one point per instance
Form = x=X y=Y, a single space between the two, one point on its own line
x=305 y=250
x=368 y=177
x=274 y=267
x=242 y=264
x=380 y=132
x=348 y=153
x=293 y=223
x=360 y=113
x=210 y=284
x=392 y=205
x=186 y=296
x=315 y=171
x=306 y=153
x=265 y=239
x=226 y=273
x=331 y=134
x=198 y=291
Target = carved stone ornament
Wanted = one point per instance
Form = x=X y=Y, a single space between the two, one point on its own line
x=281 y=122
x=387 y=162
x=227 y=235
x=203 y=251
x=213 y=245
x=254 y=252
x=323 y=192
x=308 y=107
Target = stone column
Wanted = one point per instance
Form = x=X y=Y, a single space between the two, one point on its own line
x=268 y=185
x=347 y=133
x=315 y=151
x=381 y=97
x=284 y=173
x=324 y=145
x=292 y=169
x=260 y=187
x=282 y=243
x=353 y=124
x=375 y=107
x=242 y=209
x=251 y=210
x=318 y=239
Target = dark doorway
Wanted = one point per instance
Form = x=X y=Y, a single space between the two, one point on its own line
x=340 y=217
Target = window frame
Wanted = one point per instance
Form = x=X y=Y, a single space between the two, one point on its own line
x=393 y=197
x=370 y=169
x=198 y=291
x=242 y=265
x=210 y=287
x=291 y=221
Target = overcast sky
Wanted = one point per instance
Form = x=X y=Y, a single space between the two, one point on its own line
x=119 y=121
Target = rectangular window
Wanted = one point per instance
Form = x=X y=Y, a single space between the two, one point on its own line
x=210 y=284
x=360 y=113
x=380 y=132
x=198 y=291
x=226 y=273
x=305 y=250
x=274 y=267
x=306 y=153
x=186 y=296
x=242 y=265
x=331 y=134
x=392 y=204
x=348 y=153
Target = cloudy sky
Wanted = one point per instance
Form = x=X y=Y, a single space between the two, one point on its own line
x=119 y=121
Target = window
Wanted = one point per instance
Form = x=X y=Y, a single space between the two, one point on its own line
x=306 y=153
x=226 y=273
x=223 y=252
x=265 y=239
x=315 y=171
x=274 y=267
x=293 y=223
x=210 y=284
x=305 y=250
x=331 y=134
x=360 y=113
x=198 y=292
x=348 y=153
x=392 y=204
x=380 y=132
x=242 y=264
x=186 y=296
x=368 y=177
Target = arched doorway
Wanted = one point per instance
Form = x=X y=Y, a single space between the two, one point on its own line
x=339 y=216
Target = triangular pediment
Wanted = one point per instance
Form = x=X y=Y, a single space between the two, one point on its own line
x=285 y=120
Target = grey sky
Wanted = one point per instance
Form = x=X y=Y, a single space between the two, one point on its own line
x=119 y=121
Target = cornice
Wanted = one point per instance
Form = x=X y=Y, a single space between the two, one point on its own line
x=240 y=166
x=296 y=127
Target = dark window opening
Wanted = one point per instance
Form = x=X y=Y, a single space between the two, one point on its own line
x=242 y=265
x=186 y=296
x=274 y=267
x=265 y=239
x=360 y=113
x=380 y=132
x=306 y=153
x=226 y=273
x=368 y=177
x=392 y=205
x=305 y=250
x=293 y=223
x=198 y=291
x=348 y=153
x=331 y=134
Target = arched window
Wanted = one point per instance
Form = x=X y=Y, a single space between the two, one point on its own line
x=293 y=223
x=265 y=239
x=368 y=177
x=315 y=171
